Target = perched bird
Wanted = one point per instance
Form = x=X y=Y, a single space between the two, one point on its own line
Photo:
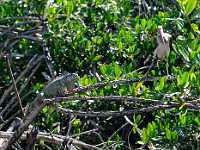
x=61 y=85
x=163 y=48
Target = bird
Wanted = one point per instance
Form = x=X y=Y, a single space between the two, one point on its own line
x=163 y=48
x=61 y=84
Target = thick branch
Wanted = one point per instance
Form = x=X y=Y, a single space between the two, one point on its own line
x=51 y=138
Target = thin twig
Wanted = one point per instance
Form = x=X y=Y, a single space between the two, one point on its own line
x=83 y=133
x=15 y=86
x=124 y=125
x=11 y=105
x=34 y=61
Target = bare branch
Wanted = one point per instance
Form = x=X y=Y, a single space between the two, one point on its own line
x=55 y=139
x=126 y=112
x=48 y=58
x=12 y=104
x=15 y=86
x=106 y=98
x=21 y=17
x=32 y=112
x=20 y=24
x=9 y=119
x=34 y=60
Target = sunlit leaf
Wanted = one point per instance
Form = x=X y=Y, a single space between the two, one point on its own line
x=118 y=71
x=191 y=4
x=161 y=84
x=168 y=133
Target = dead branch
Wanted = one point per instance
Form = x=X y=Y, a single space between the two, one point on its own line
x=46 y=52
x=20 y=24
x=32 y=112
x=34 y=60
x=12 y=103
x=22 y=17
x=106 y=98
x=50 y=138
x=14 y=83
x=127 y=112
x=9 y=119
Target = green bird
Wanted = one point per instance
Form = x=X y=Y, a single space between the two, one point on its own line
x=61 y=85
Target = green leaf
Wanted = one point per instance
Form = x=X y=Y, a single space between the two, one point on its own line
x=118 y=71
x=161 y=84
x=182 y=119
x=143 y=23
x=191 y=4
x=144 y=136
x=103 y=69
x=69 y=7
x=183 y=79
x=168 y=133
x=174 y=135
x=195 y=27
x=96 y=58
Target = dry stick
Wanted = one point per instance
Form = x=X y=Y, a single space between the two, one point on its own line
x=126 y=112
x=65 y=142
x=37 y=39
x=9 y=119
x=56 y=139
x=83 y=133
x=48 y=58
x=21 y=17
x=11 y=105
x=20 y=24
x=15 y=86
x=3 y=28
x=129 y=143
x=32 y=112
x=13 y=43
x=34 y=60
x=21 y=32
x=106 y=98
x=70 y=124
x=100 y=138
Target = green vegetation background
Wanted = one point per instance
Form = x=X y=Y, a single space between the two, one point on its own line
x=115 y=37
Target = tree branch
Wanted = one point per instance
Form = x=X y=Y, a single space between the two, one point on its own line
x=127 y=112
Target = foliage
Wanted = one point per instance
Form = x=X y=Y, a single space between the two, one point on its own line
x=114 y=39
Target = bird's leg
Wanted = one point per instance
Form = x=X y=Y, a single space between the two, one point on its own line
x=167 y=67
x=158 y=66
